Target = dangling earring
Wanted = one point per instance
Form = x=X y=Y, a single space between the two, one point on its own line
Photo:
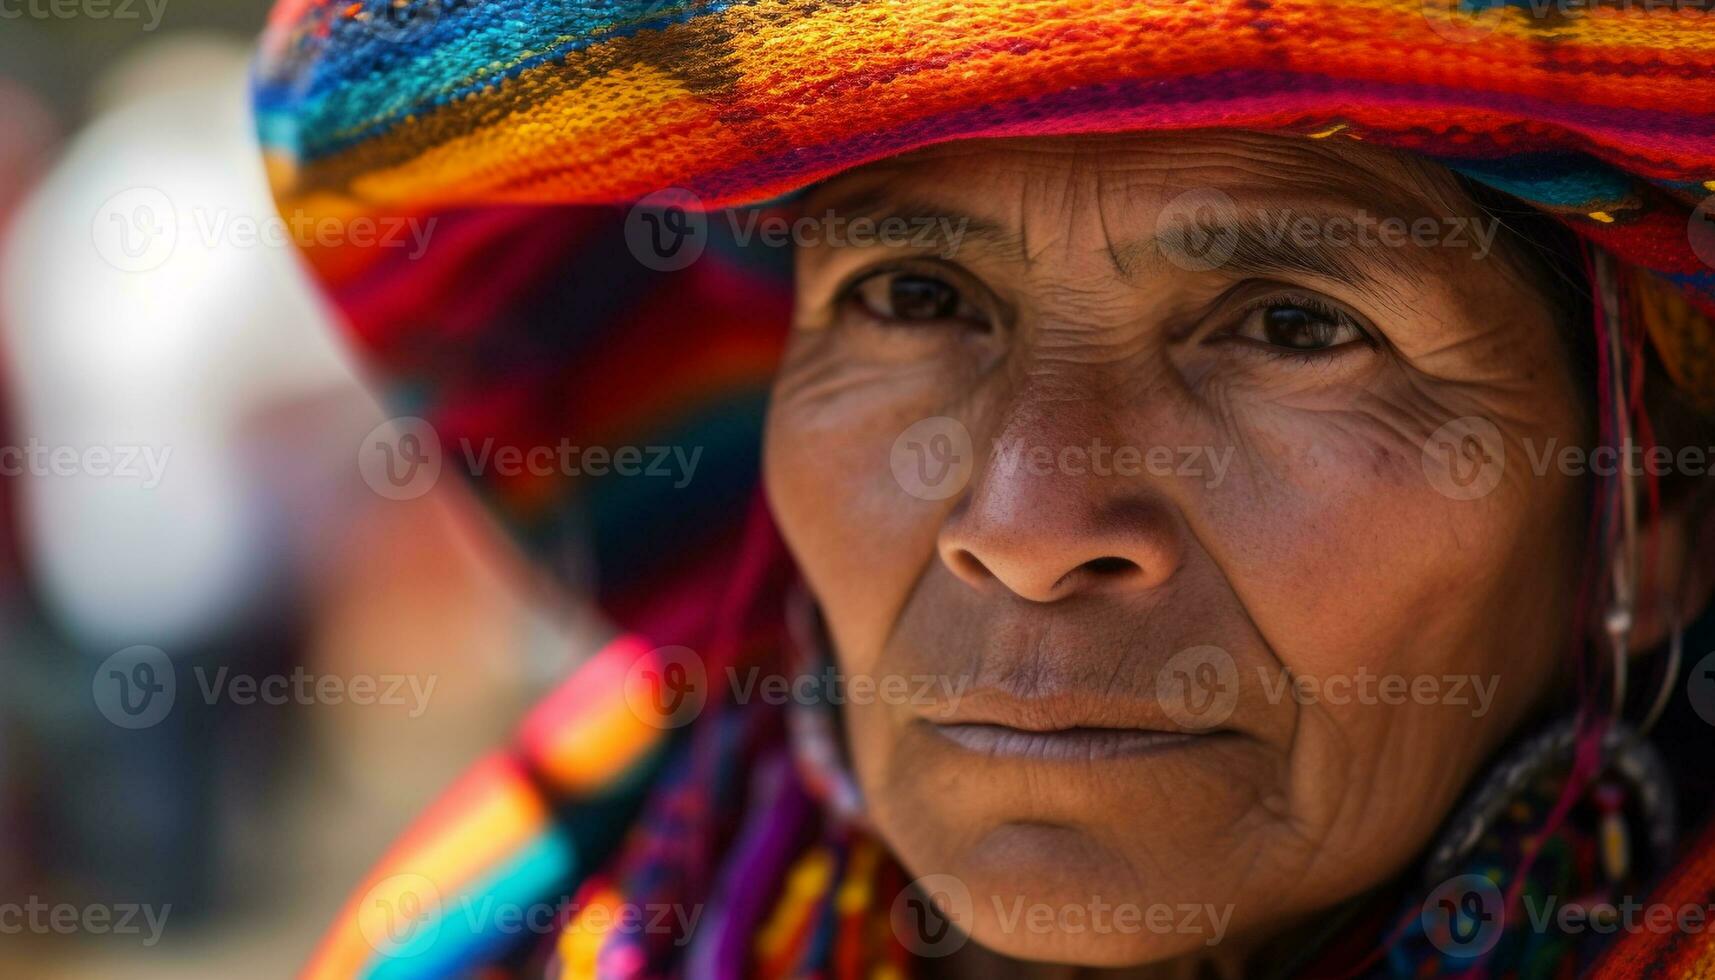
x=1590 y=777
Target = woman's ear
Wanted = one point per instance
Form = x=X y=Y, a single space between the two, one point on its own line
x=1682 y=576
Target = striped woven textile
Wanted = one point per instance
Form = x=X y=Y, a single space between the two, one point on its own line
x=523 y=129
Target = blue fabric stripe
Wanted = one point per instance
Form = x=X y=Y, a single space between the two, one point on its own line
x=364 y=83
x=473 y=929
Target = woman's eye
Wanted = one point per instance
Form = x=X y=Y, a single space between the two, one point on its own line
x=914 y=297
x=1300 y=327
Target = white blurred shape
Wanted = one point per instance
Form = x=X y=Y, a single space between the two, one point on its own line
x=112 y=340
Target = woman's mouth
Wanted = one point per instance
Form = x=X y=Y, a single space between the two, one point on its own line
x=1075 y=743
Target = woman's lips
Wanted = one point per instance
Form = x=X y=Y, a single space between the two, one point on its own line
x=1064 y=743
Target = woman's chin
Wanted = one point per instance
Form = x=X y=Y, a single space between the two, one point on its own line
x=1057 y=894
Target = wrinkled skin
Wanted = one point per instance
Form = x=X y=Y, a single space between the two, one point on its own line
x=1054 y=598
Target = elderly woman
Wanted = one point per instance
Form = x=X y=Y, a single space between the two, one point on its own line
x=1095 y=488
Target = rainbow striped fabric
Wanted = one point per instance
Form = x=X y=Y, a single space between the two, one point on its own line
x=523 y=128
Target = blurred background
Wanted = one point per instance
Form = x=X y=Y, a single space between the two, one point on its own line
x=181 y=502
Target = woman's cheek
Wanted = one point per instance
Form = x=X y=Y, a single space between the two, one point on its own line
x=860 y=537
x=1336 y=544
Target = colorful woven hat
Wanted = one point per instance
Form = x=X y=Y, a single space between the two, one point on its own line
x=525 y=129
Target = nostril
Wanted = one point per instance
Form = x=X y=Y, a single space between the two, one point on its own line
x=1111 y=567
x=969 y=567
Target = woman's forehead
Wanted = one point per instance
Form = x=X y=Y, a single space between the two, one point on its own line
x=1000 y=177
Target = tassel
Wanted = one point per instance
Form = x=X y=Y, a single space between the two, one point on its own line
x=1616 y=841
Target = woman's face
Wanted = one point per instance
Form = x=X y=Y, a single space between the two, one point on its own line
x=1182 y=510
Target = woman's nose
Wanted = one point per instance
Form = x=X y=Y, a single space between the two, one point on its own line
x=1047 y=521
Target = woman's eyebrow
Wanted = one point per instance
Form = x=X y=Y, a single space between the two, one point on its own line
x=880 y=204
x=1331 y=244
